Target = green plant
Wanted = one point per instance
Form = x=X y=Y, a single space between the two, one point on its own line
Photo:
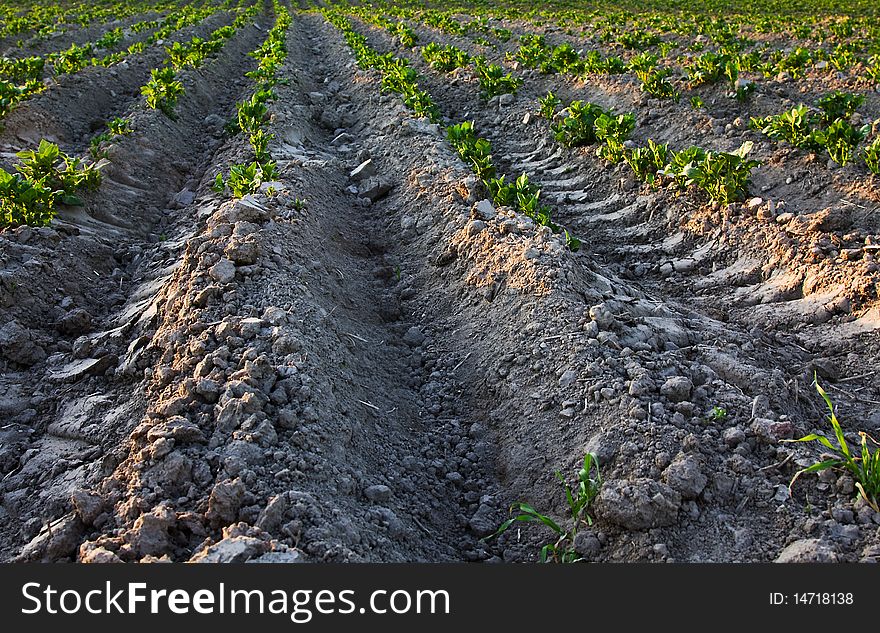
x=251 y=114
x=47 y=176
x=63 y=174
x=656 y=83
x=445 y=58
x=562 y=550
x=178 y=54
x=493 y=81
x=794 y=126
x=110 y=38
x=579 y=125
x=708 y=68
x=647 y=161
x=840 y=140
x=718 y=414
x=22 y=68
x=245 y=179
x=839 y=105
x=864 y=468
x=405 y=34
x=71 y=60
x=612 y=131
x=24 y=202
x=260 y=144
x=548 y=105
x=475 y=151
x=119 y=126
x=162 y=90
x=871 y=156
x=722 y=175
x=697 y=103
x=95 y=145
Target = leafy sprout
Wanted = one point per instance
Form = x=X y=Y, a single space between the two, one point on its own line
x=864 y=466
x=579 y=500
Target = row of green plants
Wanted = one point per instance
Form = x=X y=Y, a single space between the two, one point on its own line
x=45 y=19
x=728 y=56
x=253 y=114
x=493 y=80
x=48 y=177
x=22 y=78
x=723 y=176
x=826 y=127
x=163 y=89
x=519 y=193
x=398 y=76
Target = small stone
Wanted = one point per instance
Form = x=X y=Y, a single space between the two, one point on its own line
x=568 y=378
x=378 y=493
x=87 y=505
x=184 y=198
x=243 y=252
x=483 y=523
x=734 y=436
x=603 y=446
x=280 y=557
x=474 y=227
x=485 y=210
x=809 y=550
x=587 y=545
x=638 y=505
x=506 y=99
x=75 y=322
x=88 y=366
x=225 y=500
x=772 y=431
x=685 y=476
x=374 y=188
x=223 y=271
x=641 y=386
x=603 y=317
x=16 y=344
x=366 y=169
x=234 y=549
x=414 y=336
x=677 y=388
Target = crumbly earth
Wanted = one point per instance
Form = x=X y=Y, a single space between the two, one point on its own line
x=310 y=374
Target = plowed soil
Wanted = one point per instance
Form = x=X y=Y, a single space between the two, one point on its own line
x=306 y=375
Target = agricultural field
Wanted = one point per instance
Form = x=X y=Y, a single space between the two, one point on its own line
x=439 y=281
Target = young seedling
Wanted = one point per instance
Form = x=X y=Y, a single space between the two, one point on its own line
x=162 y=90
x=548 y=105
x=839 y=105
x=864 y=468
x=647 y=161
x=562 y=550
x=840 y=140
x=718 y=414
x=871 y=156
